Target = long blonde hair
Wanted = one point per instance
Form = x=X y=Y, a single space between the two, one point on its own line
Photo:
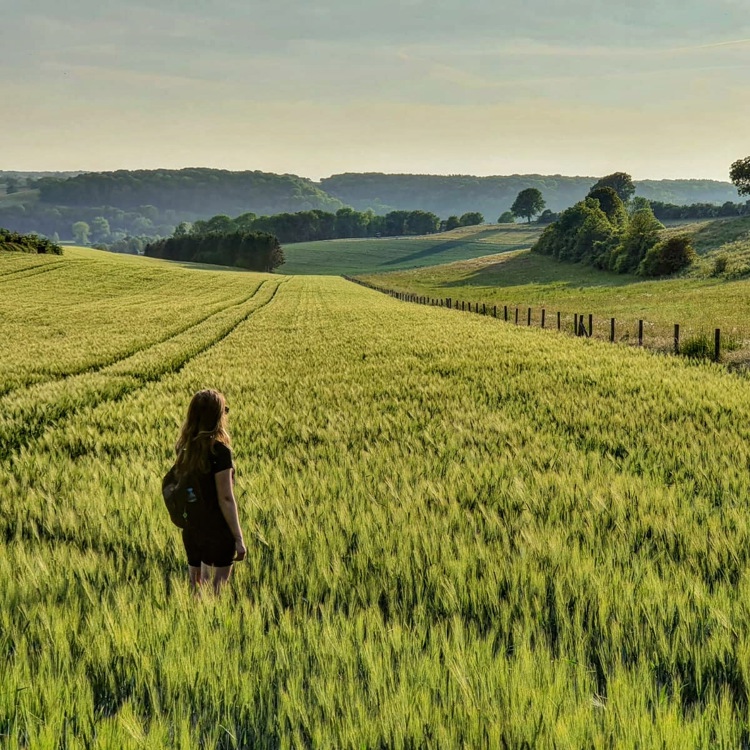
x=205 y=425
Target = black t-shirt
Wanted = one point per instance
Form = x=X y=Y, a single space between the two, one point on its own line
x=212 y=522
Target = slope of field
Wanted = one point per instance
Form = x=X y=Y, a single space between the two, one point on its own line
x=334 y=257
x=698 y=302
x=460 y=534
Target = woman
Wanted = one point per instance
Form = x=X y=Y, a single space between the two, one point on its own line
x=213 y=538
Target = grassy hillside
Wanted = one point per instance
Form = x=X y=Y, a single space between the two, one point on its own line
x=349 y=257
x=448 y=518
x=699 y=302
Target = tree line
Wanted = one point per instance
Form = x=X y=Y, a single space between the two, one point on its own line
x=256 y=251
x=455 y=194
x=315 y=225
x=195 y=190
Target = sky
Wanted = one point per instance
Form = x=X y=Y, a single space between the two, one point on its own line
x=656 y=88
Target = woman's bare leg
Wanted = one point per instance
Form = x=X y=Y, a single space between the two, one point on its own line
x=194 y=574
x=221 y=576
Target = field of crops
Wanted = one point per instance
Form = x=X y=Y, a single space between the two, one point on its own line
x=460 y=533
x=523 y=279
x=392 y=253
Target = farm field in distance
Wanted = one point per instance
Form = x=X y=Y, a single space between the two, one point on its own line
x=349 y=257
x=460 y=533
x=698 y=302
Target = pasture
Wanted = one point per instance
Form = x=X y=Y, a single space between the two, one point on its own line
x=460 y=533
x=379 y=255
x=523 y=279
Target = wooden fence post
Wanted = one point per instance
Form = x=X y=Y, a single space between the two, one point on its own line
x=528 y=319
x=676 y=338
x=516 y=316
x=640 y=333
x=612 y=330
x=484 y=309
x=591 y=325
x=717 y=345
x=506 y=313
x=559 y=320
x=494 y=311
x=575 y=323
x=543 y=315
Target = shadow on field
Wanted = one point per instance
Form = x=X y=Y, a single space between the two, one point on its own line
x=524 y=268
x=440 y=246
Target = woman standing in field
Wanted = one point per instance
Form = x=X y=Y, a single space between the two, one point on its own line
x=213 y=538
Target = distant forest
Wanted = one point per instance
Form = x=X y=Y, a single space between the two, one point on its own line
x=491 y=196
x=118 y=207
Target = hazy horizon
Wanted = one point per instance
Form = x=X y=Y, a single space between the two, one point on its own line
x=657 y=90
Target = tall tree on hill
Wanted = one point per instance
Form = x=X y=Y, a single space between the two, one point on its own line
x=621 y=182
x=528 y=204
x=740 y=175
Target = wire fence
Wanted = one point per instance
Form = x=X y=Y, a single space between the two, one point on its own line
x=701 y=342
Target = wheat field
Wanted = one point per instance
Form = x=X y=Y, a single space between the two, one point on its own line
x=460 y=533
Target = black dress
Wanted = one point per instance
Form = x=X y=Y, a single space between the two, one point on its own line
x=208 y=538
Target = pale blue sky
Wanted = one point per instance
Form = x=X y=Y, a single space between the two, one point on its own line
x=657 y=88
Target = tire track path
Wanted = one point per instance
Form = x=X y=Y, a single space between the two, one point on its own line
x=29 y=271
x=26 y=417
x=35 y=378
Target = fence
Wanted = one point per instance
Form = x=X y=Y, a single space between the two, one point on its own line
x=582 y=325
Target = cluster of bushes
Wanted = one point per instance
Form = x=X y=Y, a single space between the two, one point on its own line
x=27 y=243
x=600 y=231
x=308 y=226
x=256 y=251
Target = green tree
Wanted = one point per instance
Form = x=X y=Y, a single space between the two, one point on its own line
x=220 y=224
x=244 y=222
x=740 y=175
x=350 y=223
x=422 y=222
x=528 y=203
x=100 y=230
x=507 y=217
x=471 y=219
x=642 y=233
x=452 y=222
x=182 y=229
x=621 y=182
x=81 y=232
x=612 y=205
x=668 y=257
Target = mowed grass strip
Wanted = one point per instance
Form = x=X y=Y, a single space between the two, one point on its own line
x=335 y=257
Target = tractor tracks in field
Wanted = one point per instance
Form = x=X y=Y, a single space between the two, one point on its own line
x=20 y=426
x=32 y=381
x=29 y=271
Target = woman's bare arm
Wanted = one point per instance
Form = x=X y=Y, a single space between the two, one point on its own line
x=228 y=505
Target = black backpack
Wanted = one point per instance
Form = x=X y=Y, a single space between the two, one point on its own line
x=182 y=496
